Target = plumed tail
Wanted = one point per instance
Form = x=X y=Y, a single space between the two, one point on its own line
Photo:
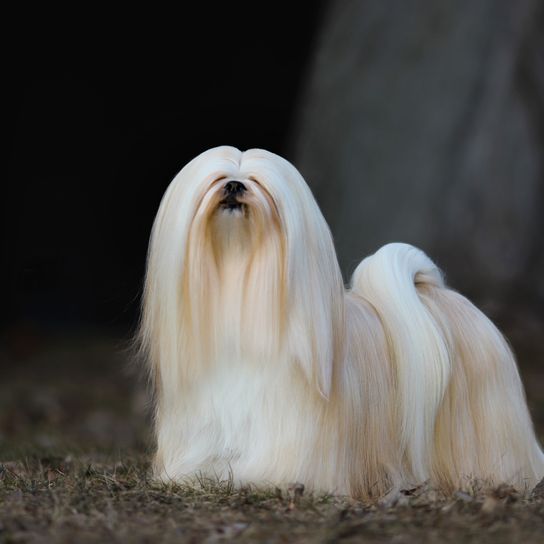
x=388 y=280
x=461 y=407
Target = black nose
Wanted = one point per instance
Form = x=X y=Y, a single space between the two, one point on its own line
x=233 y=188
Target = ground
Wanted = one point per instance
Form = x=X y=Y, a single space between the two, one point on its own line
x=74 y=467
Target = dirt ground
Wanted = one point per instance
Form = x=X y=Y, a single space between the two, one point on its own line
x=74 y=462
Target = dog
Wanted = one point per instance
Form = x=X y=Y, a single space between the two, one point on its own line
x=268 y=371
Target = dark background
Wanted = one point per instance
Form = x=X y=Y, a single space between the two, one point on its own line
x=414 y=121
x=103 y=110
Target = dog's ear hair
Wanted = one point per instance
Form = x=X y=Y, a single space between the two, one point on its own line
x=315 y=290
x=316 y=322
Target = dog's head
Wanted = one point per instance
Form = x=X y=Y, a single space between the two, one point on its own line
x=241 y=264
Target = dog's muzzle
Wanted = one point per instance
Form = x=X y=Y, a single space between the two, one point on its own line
x=232 y=191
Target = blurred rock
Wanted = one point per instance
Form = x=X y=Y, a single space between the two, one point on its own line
x=423 y=122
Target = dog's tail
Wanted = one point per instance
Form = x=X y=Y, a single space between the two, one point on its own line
x=461 y=406
x=388 y=280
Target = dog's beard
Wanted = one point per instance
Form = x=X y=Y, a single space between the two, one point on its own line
x=233 y=278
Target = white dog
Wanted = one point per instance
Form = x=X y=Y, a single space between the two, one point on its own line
x=268 y=370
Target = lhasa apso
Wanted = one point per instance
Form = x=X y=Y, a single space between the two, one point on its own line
x=268 y=371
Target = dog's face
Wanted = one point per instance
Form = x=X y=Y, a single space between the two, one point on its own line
x=238 y=215
x=242 y=264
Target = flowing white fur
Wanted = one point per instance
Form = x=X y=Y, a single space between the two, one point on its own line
x=267 y=370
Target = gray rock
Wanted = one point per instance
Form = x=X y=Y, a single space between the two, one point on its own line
x=423 y=122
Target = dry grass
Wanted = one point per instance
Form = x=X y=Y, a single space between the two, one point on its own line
x=74 y=468
x=92 y=499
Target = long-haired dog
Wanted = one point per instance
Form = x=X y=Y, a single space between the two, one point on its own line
x=266 y=369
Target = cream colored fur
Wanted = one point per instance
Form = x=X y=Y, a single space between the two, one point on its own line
x=267 y=370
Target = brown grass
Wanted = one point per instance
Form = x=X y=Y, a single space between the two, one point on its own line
x=90 y=498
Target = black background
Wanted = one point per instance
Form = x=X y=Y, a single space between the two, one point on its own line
x=102 y=109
